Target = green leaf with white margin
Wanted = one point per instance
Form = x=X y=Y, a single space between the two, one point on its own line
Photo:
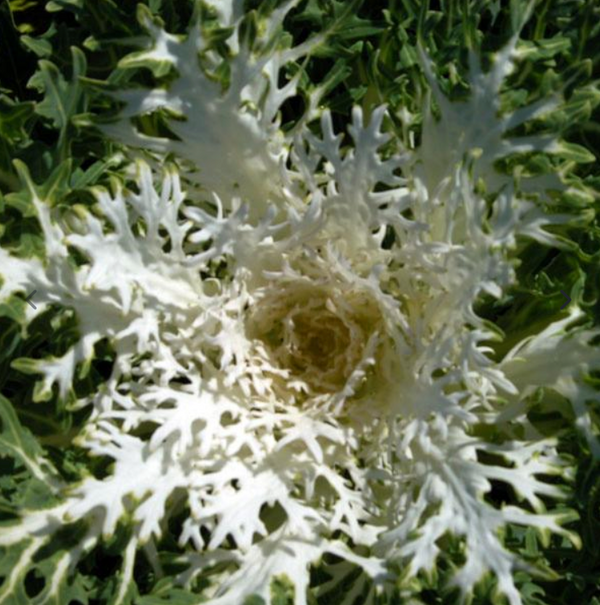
x=49 y=580
x=63 y=99
x=18 y=442
x=13 y=117
x=558 y=359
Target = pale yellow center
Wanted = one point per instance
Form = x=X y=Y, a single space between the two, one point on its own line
x=317 y=333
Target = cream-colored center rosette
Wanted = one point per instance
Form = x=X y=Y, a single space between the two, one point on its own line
x=317 y=333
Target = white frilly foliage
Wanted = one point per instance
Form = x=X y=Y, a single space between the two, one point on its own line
x=319 y=396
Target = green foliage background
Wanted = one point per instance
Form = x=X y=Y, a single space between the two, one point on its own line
x=57 y=60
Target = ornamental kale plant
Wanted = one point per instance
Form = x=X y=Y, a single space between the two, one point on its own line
x=299 y=302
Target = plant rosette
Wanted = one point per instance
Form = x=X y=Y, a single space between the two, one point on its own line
x=300 y=375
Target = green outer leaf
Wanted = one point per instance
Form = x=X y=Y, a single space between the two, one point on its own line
x=62 y=99
x=577 y=153
x=18 y=442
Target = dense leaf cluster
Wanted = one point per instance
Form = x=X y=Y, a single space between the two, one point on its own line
x=60 y=59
